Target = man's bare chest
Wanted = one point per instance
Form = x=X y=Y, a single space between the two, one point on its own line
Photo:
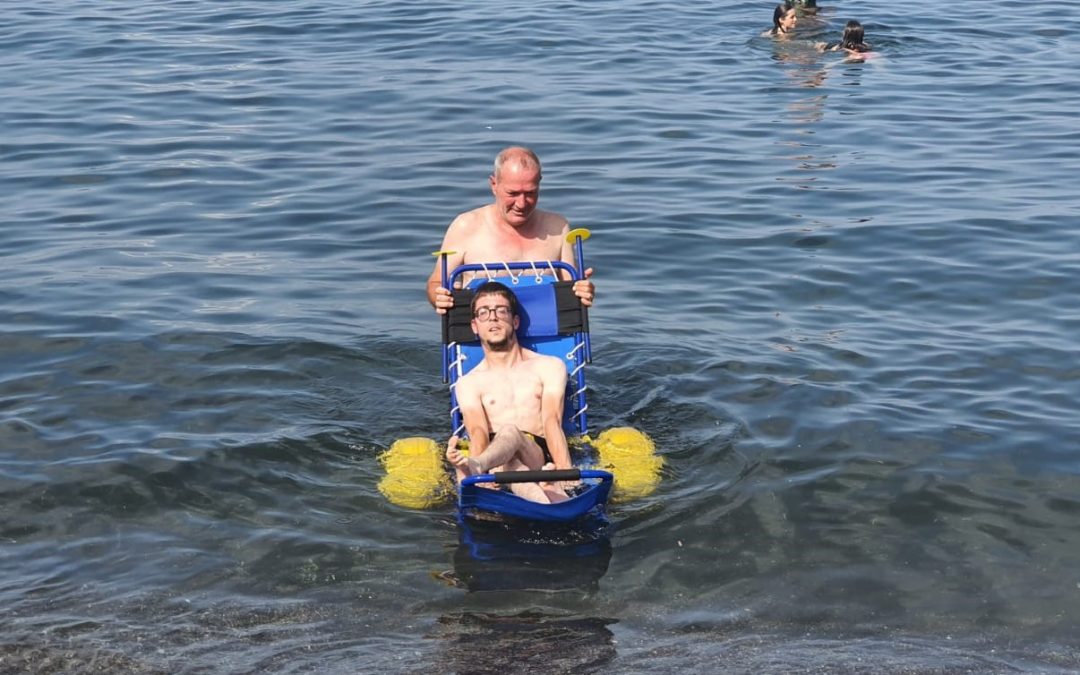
x=511 y=393
x=489 y=246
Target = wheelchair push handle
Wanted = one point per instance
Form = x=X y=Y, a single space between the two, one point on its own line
x=576 y=237
x=442 y=255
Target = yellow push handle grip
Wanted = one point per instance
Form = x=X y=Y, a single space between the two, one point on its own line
x=573 y=234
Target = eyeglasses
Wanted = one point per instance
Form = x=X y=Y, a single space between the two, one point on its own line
x=485 y=313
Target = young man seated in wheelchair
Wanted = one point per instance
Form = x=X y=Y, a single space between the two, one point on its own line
x=511 y=402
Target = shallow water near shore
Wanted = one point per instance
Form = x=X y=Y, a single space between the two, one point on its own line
x=840 y=296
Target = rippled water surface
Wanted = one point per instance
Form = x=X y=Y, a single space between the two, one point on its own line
x=842 y=297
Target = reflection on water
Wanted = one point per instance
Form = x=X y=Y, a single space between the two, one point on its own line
x=509 y=556
x=528 y=642
x=804 y=69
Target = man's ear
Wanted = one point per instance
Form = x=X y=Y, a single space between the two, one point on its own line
x=517 y=322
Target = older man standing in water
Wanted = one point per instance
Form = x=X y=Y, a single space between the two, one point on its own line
x=511 y=229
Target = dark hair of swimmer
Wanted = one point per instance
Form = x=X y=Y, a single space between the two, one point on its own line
x=778 y=13
x=495 y=288
x=852 y=38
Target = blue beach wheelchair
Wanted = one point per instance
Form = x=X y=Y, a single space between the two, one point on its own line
x=553 y=322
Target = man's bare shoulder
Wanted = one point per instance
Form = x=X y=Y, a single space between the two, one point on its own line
x=472 y=379
x=550 y=223
x=467 y=223
x=542 y=362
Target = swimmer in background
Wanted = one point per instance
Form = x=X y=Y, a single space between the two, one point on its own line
x=852 y=41
x=784 y=19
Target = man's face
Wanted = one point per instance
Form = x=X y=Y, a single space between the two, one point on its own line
x=493 y=322
x=516 y=191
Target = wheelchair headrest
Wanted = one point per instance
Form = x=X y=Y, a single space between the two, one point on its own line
x=546 y=309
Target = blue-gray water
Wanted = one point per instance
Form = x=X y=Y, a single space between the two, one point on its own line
x=843 y=298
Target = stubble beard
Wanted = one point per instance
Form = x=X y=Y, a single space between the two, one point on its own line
x=502 y=345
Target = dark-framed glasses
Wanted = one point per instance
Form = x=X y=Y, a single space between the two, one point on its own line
x=501 y=312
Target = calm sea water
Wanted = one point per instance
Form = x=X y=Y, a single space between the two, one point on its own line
x=841 y=297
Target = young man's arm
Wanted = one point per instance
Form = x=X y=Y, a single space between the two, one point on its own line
x=473 y=416
x=552 y=398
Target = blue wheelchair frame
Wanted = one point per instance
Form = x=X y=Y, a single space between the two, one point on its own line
x=539 y=331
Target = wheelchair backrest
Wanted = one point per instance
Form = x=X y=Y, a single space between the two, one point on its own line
x=553 y=322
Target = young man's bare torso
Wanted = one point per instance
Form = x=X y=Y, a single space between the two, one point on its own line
x=513 y=395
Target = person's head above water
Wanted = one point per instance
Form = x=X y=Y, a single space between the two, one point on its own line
x=853 y=38
x=515 y=183
x=783 y=18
